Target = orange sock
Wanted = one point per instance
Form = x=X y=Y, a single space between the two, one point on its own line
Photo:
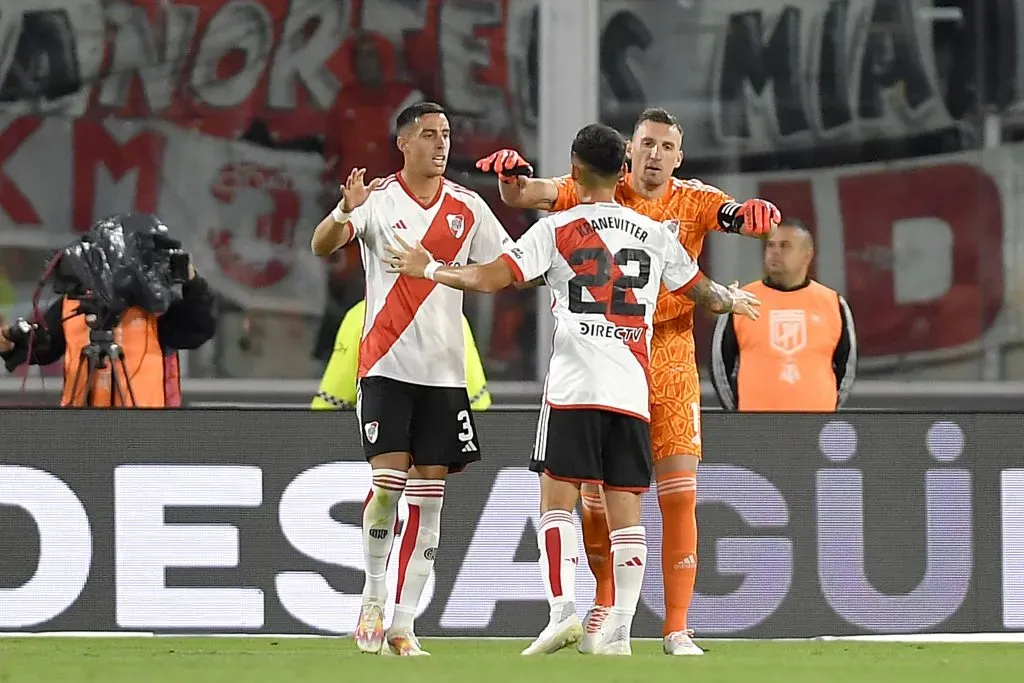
x=598 y=544
x=677 y=498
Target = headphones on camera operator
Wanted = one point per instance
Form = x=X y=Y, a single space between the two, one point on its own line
x=124 y=261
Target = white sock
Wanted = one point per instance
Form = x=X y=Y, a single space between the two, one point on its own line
x=419 y=545
x=559 y=555
x=629 y=560
x=380 y=517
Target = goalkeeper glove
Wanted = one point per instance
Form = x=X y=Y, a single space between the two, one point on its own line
x=507 y=163
x=760 y=216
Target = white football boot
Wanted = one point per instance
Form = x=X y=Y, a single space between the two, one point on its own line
x=369 y=635
x=561 y=631
x=680 y=643
x=592 y=628
x=614 y=640
x=404 y=644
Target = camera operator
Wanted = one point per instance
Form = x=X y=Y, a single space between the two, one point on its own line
x=150 y=343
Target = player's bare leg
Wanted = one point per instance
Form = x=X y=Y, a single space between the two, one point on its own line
x=629 y=560
x=425 y=495
x=676 y=477
x=559 y=555
x=597 y=542
x=380 y=524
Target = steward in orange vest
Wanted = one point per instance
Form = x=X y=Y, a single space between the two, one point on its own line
x=801 y=355
x=150 y=345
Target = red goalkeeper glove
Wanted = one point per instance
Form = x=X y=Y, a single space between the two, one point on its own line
x=759 y=216
x=507 y=163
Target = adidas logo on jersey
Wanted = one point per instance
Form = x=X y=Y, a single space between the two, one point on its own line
x=469 y=448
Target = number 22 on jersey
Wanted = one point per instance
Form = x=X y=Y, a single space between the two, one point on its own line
x=608 y=269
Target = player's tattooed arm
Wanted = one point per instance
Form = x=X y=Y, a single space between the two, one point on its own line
x=711 y=295
x=721 y=299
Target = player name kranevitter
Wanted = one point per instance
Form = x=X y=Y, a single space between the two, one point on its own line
x=612 y=223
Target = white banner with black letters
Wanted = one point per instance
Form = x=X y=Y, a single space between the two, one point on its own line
x=756 y=76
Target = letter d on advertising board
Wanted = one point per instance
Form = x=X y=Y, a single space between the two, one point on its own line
x=65 y=547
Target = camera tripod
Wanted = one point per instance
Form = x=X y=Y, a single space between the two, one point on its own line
x=101 y=353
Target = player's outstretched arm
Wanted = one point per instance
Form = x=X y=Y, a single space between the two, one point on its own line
x=337 y=229
x=529 y=193
x=415 y=261
x=516 y=185
x=721 y=299
x=752 y=218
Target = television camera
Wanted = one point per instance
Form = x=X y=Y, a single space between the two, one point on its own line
x=125 y=260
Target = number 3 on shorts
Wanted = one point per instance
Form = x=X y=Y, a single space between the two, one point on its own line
x=695 y=412
x=466 y=433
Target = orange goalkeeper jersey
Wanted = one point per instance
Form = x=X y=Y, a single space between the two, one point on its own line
x=695 y=205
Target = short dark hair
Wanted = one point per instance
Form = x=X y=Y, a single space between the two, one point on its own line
x=413 y=112
x=793 y=222
x=801 y=227
x=600 y=148
x=658 y=115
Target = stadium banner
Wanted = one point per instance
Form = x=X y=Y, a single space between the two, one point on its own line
x=928 y=252
x=220 y=66
x=762 y=76
x=246 y=213
x=248 y=522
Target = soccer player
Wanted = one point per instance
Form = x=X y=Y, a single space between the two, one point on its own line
x=604 y=264
x=655 y=151
x=414 y=415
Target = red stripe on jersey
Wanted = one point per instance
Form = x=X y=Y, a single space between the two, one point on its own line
x=517 y=272
x=408 y=294
x=689 y=285
x=580 y=235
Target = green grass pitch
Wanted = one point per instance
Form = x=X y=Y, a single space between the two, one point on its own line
x=266 y=660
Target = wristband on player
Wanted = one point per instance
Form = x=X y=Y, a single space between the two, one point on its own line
x=340 y=216
x=431 y=269
x=729 y=218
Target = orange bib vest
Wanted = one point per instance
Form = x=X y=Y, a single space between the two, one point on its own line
x=154 y=378
x=785 y=357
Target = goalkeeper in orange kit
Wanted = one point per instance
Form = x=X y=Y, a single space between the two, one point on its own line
x=655 y=151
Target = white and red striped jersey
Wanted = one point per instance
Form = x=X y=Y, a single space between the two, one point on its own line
x=604 y=264
x=413 y=327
